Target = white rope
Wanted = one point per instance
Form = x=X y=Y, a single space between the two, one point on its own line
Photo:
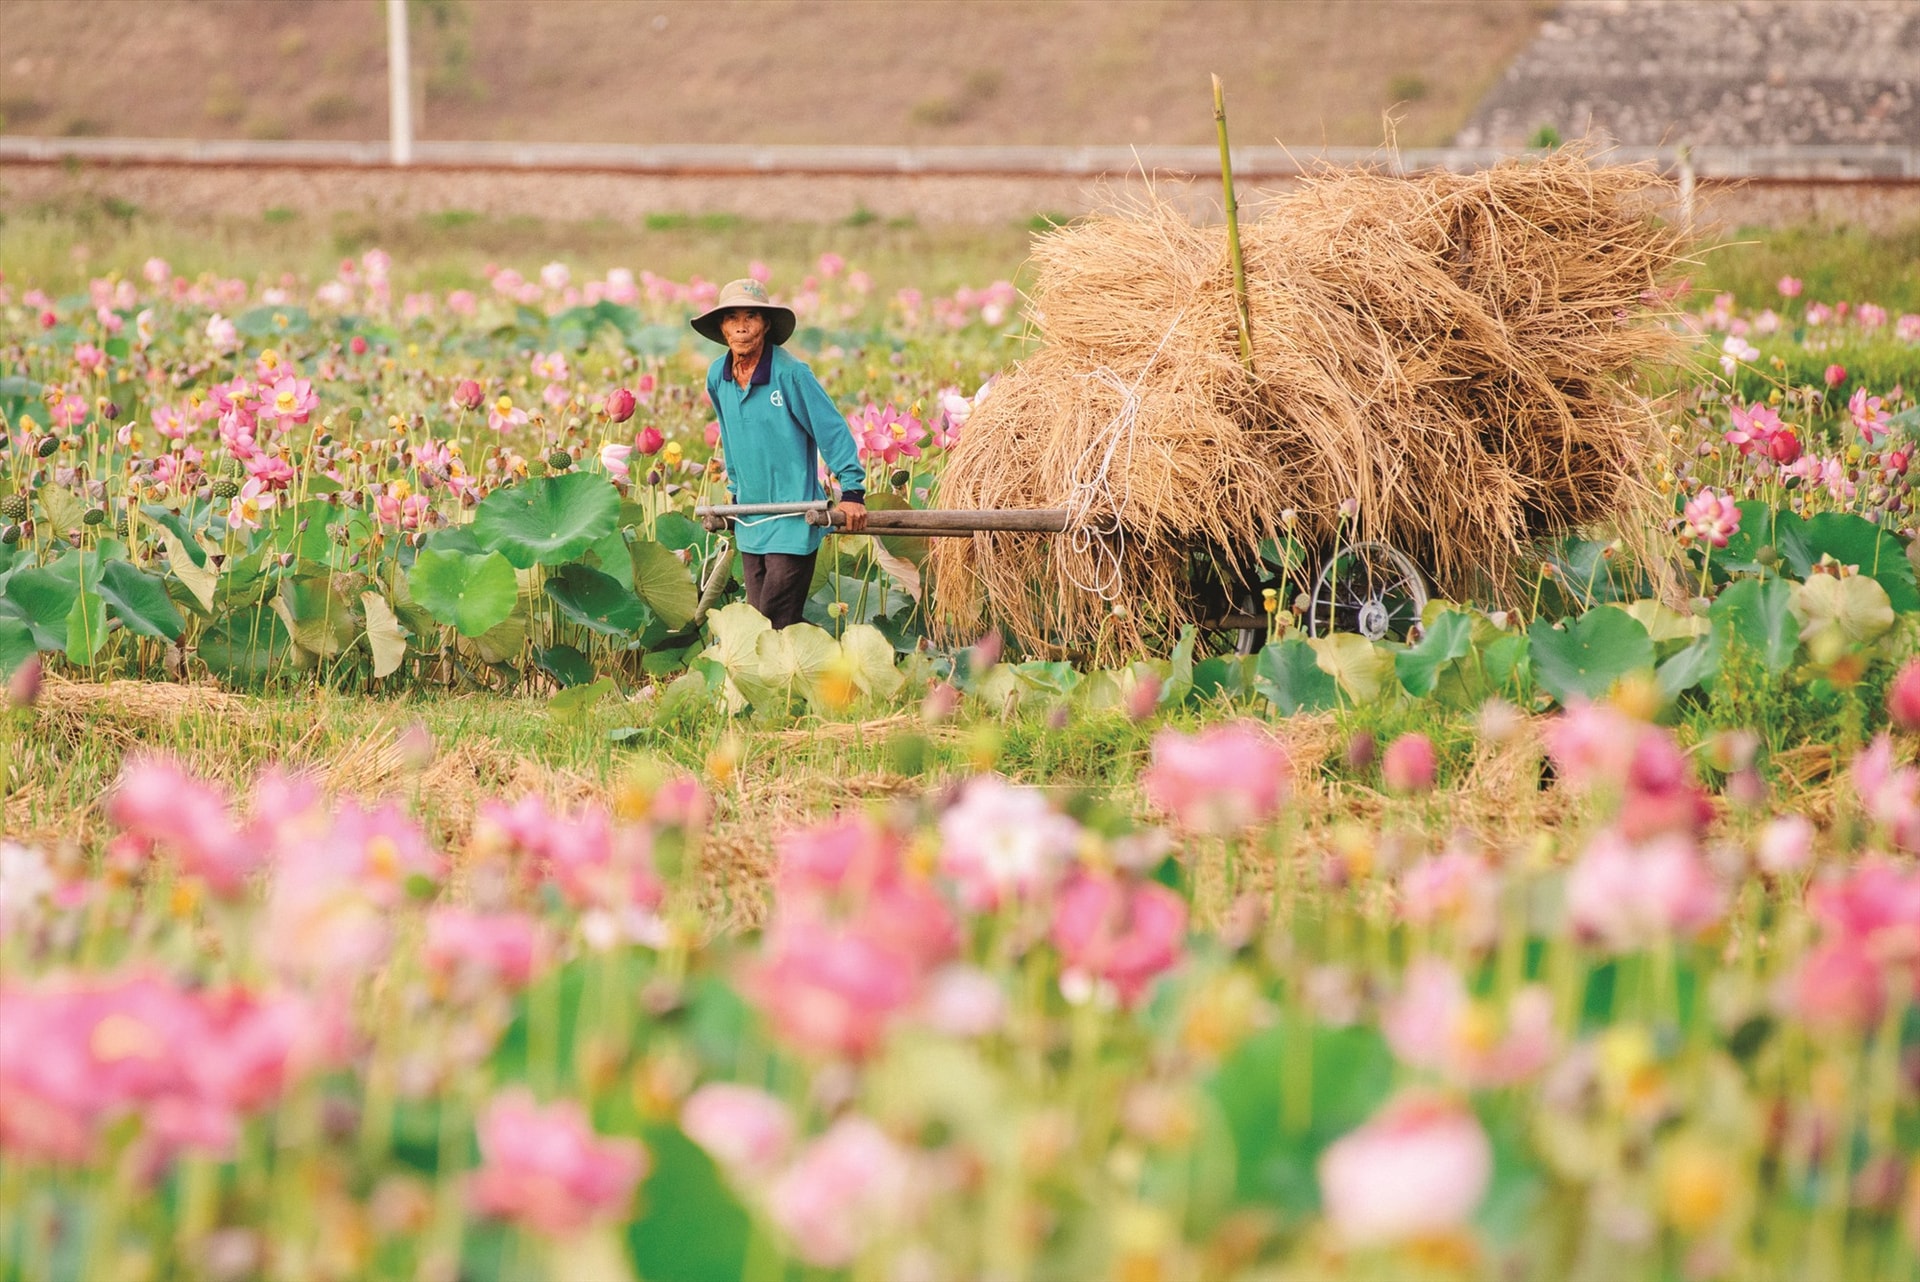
x=1094 y=526
x=747 y=523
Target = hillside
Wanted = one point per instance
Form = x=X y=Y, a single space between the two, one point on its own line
x=765 y=71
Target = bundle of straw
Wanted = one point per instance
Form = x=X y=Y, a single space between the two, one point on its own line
x=1450 y=356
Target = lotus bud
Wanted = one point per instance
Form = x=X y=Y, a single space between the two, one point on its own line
x=1903 y=697
x=649 y=441
x=620 y=403
x=1408 y=766
x=23 y=688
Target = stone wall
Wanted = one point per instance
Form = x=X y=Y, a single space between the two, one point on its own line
x=1733 y=72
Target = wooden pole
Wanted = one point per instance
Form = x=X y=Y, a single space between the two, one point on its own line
x=399 y=91
x=923 y=523
x=1233 y=229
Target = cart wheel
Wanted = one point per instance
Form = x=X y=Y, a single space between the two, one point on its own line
x=1250 y=640
x=1371 y=588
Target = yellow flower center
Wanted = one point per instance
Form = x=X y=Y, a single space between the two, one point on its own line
x=120 y=1036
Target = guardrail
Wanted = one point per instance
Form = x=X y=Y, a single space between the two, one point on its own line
x=1829 y=164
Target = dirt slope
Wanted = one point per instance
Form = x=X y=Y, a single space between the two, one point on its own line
x=916 y=71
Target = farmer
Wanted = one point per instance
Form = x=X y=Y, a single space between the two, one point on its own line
x=776 y=421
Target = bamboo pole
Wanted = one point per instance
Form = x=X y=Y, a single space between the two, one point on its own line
x=935 y=522
x=1233 y=229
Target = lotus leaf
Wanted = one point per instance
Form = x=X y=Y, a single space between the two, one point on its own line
x=1586 y=658
x=549 y=520
x=473 y=593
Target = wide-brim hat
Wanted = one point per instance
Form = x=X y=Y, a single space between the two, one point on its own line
x=746 y=293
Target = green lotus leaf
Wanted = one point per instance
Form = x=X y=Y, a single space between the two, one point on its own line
x=1288 y=675
x=1590 y=655
x=1837 y=615
x=663 y=583
x=86 y=627
x=1757 y=616
x=596 y=601
x=1359 y=667
x=386 y=639
x=140 y=601
x=549 y=520
x=869 y=656
x=16 y=644
x=473 y=593
x=245 y=647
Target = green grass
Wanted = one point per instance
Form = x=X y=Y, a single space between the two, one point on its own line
x=59 y=247
x=1833 y=263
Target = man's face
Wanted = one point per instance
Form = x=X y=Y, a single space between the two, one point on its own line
x=745 y=329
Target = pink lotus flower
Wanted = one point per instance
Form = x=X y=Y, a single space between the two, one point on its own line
x=830 y=988
x=1891 y=794
x=1903 y=697
x=1789 y=286
x=649 y=441
x=546 y=1170
x=1221 y=780
x=1870 y=316
x=1713 y=516
x=620 y=404
x=484 y=950
x=613 y=459
x=1868 y=416
x=156 y=271
x=1785 y=846
x=1836 y=374
x=1408 y=767
x=468 y=394
x=249 y=507
x=844 y=1190
x=77 y=1055
x=170 y=422
x=502 y=416
x=160 y=804
x=88 y=357
x=963 y=1001
x=1839 y=989
x=1735 y=350
x=1118 y=931
x=1418 y=1169
x=1003 y=842
x=747 y=1131
x=1783 y=447
x=555 y=277
x=550 y=367
x=1624 y=896
x=1455 y=887
x=67 y=410
x=1753 y=428
x=593 y=863
x=223 y=334
x=1435 y=1024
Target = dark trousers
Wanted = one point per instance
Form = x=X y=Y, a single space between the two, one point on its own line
x=777 y=584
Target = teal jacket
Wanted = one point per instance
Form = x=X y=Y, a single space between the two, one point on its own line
x=771 y=434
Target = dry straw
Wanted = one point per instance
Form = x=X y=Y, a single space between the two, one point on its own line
x=1457 y=355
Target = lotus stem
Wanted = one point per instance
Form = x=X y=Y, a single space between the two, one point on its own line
x=1233 y=229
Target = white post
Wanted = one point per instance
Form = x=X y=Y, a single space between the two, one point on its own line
x=1686 y=184
x=399 y=93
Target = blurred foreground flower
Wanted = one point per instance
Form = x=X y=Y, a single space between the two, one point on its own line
x=546 y=1170
x=1418 y=1169
x=1220 y=780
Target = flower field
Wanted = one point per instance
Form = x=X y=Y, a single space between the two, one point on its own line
x=419 y=863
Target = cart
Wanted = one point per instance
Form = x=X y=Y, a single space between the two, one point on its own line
x=1367 y=586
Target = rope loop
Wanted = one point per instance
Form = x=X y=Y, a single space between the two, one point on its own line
x=1095 y=526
